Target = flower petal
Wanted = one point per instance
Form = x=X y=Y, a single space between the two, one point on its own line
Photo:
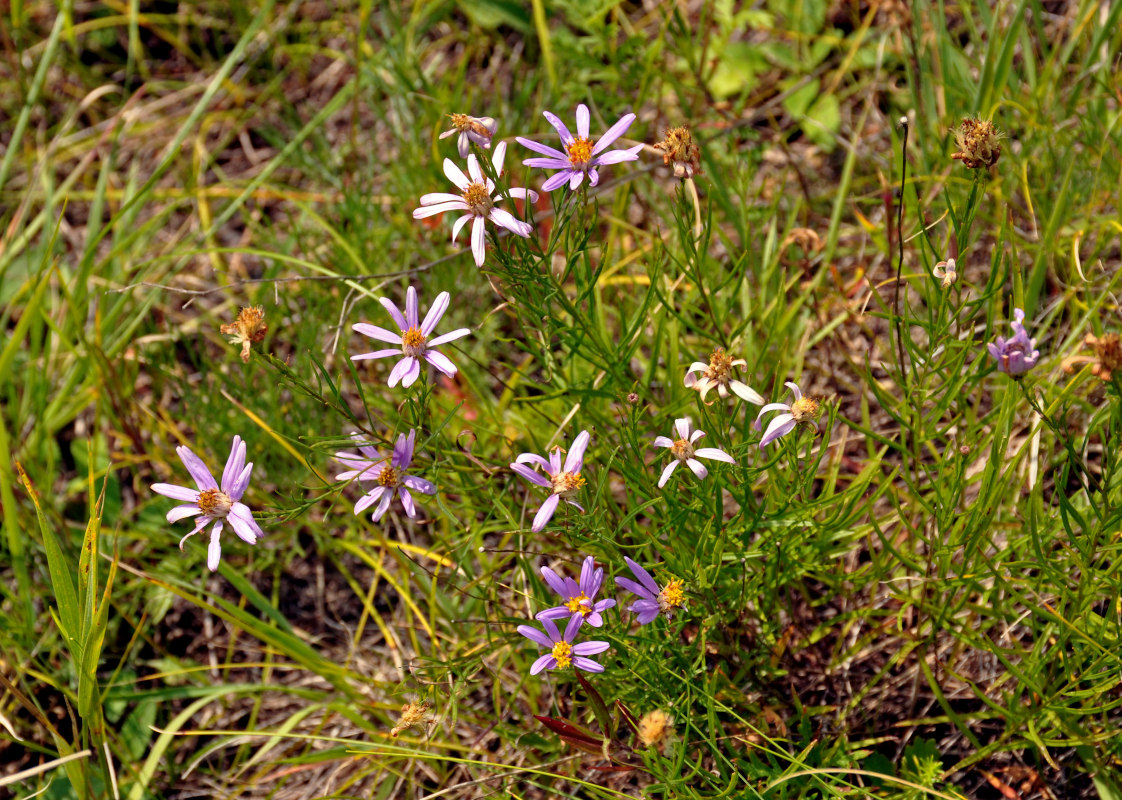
x=667 y=472
x=176 y=492
x=419 y=484
x=714 y=453
x=698 y=468
x=780 y=426
x=590 y=648
x=544 y=149
x=477 y=244
x=184 y=511
x=195 y=466
x=531 y=476
x=559 y=126
x=380 y=334
x=746 y=392
x=574 y=459
x=643 y=576
x=662 y=441
x=376 y=354
x=544 y=662
x=439 y=306
x=235 y=463
x=458 y=225
x=511 y=223
x=682 y=426
x=444 y=338
x=613 y=133
x=558 y=180
x=535 y=635
x=545 y=513
x=455 y=174
x=618 y=156
x=214 y=552
x=440 y=208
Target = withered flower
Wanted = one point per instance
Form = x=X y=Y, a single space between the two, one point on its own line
x=679 y=149
x=1107 y=358
x=656 y=729
x=978 y=143
x=412 y=715
x=249 y=327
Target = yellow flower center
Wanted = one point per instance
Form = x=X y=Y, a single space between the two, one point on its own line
x=580 y=604
x=567 y=484
x=580 y=151
x=720 y=367
x=681 y=450
x=388 y=477
x=805 y=409
x=413 y=343
x=563 y=652
x=460 y=121
x=214 y=502
x=478 y=199
x=671 y=596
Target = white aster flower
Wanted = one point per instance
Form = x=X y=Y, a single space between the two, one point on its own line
x=470 y=129
x=684 y=452
x=718 y=373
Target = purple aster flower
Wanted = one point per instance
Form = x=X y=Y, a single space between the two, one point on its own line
x=477 y=200
x=562 y=652
x=684 y=452
x=582 y=155
x=413 y=340
x=580 y=598
x=470 y=129
x=802 y=409
x=213 y=502
x=564 y=480
x=1017 y=355
x=392 y=479
x=718 y=373
x=652 y=599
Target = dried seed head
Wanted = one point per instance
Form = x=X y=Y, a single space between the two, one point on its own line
x=978 y=143
x=412 y=714
x=1107 y=358
x=247 y=328
x=656 y=729
x=679 y=149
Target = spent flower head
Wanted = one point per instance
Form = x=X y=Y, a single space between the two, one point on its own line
x=413 y=341
x=478 y=130
x=562 y=479
x=391 y=477
x=412 y=715
x=652 y=599
x=978 y=143
x=1017 y=354
x=718 y=373
x=582 y=155
x=579 y=598
x=214 y=502
x=1107 y=358
x=478 y=200
x=683 y=451
x=656 y=729
x=562 y=652
x=248 y=328
x=680 y=150
x=801 y=409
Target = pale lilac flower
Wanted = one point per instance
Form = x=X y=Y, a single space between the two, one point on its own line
x=802 y=409
x=1018 y=354
x=564 y=480
x=582 y=155
x=413 y=340
x=392 y=479
x=213 y=502
x=580 y=598
x=652 y=599
x=477 y=200
x=947 y=271
x=470 y=129
x=718 y=373
x=684 y=451
x=562 y=652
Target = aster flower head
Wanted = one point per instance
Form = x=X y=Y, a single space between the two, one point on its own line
x=582 y=155
x=680 y=150
x=413 y=341
x=801 y=409
x=562 y=652
x=391 y=477
x=477 y=130
x=683 y=451
x=947 y=271
x=978 y=142
x=562 y=479
x=1018 y=354
x=579 y=598
x=652 y=599
x=1107 y=358
x=478 y=200
x=214 y=502
x=718 y=373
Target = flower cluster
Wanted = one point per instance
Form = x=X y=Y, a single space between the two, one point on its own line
x=581 y=607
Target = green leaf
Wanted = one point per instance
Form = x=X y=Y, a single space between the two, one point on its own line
x=62 y=581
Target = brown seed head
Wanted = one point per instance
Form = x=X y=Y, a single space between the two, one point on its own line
x=247 y=328
x=978 y=143
x=805 y=409
x=679 y=149
x=412 y=714
x=656 y=729
x=1107 y=358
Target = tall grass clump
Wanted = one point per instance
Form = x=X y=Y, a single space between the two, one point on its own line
x=462 y=399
